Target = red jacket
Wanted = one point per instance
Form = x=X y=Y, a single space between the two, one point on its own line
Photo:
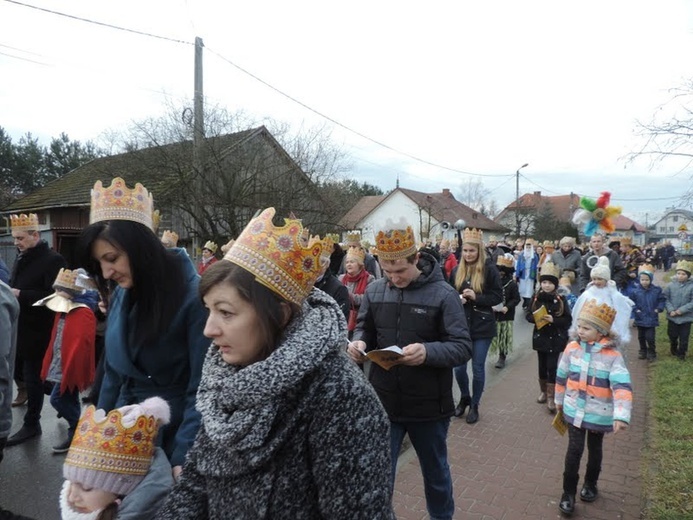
x=202 y=267
x=77 y=352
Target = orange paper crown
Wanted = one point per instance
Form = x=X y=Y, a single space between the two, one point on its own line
x=118 y=202
x=281 y=258
x=104 y=446
x=646 y=268
x=357 y=254
x=548 y=243
x=601 y=316
x=472 y=236
x=393 y=244
x=24 y=222
x=169 y=238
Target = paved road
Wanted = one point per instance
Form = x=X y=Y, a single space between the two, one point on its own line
x=30 y=475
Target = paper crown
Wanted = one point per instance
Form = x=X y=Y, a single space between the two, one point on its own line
x=210 y=246
x=565 y=280
x=332 y=236
x=646 y=268
x=506 y=260
x=328 y=245
x=395 y=241
x=626 y=241
x=353 y=238
x=550 y=269
x=599 y=315
x=684 y=265
x=472 y=236
x=24 y=222
x=548 y=243
x=107 y=454
x=169 y=238
x=118 y=202
x=356 y=253
x=281 y=258
x=76 y=281
x=225 y=248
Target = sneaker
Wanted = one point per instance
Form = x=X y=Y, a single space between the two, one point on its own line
x=63 y=447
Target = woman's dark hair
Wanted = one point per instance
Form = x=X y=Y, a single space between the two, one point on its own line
x=158 y=281
x=269 y=306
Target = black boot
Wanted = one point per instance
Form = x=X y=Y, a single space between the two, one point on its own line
x=473 y=415
x=567 y=504
x=462 y=406
x=589 y=492
x=642 y=354
x=501 y=361
x=24 y=434
x=674 y=350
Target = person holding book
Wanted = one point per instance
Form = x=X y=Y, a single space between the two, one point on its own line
x=505 y=311
x=595 y=396
x=290 y=427
x=414 y=308
x=551 y=317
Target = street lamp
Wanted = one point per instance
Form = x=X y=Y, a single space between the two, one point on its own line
x=517 y=200
x=459 y=226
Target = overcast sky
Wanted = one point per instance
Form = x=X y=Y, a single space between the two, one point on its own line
x=476 y=87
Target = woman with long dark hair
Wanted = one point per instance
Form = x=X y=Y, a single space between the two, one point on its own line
x=477 y=280
x=154 y=342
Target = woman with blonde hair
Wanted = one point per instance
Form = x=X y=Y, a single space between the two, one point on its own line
x=356 y=279
x=477 y=280
x=569 y=260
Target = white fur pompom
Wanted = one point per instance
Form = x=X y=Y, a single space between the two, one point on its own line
x=158 y=408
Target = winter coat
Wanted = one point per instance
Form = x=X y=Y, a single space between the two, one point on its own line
x=169 y=367
x=332 y=286
x=593 y=386
x=481 y=319
x=427 y=311
x=9 y=318
x=33 y=274
x=298 y=435
x=572 y=261
x=679 y=297
x=4 y=272
x=648 y=303
x=552 y=337
x=511 y=299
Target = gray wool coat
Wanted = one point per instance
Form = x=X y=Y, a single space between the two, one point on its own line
x=299 y=435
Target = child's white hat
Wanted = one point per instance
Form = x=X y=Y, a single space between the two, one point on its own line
x=602 y=269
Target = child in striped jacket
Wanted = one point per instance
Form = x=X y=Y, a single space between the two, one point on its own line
x=594 y=391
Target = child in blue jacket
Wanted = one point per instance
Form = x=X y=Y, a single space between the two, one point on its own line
x=649 y=302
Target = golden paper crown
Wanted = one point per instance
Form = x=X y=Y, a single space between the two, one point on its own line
x=357 y=254
x=279 y=257
x=626 y=241
x=118 y=202
x=549 y=243
x=105 y=445
x=211 y=246
x=24 y=222
x=353 y=238
x=472 y=236
x=601 y=316
x=550 y=269
x=684 y=265
x=77 y=280
x=169 y=238
x=393 y=244
x=328 y=245
x=646 y=268
x=332 y=236
x=506 y=261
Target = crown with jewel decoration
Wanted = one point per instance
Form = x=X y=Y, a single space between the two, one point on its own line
x=169 y=238
x=118 y=202
x=24 y=222
x=472 y=236
x=395 y=241
x=599 y=315
x=282 y=258
x=113 y=452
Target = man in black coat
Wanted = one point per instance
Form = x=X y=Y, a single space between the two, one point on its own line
x=33 y=274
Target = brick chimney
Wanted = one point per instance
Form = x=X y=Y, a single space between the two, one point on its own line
x=446 y=192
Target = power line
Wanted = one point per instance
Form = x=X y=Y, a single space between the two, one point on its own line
x=103 y=24
x=25 y=59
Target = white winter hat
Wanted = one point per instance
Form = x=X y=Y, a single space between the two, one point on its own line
x=601 y=270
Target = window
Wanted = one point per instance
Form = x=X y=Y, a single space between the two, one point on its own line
x=662 y=229
x=671 y=229
x=676 y=218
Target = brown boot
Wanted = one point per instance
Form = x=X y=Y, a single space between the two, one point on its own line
x=542 y=395
x=550 y=394
x=21 y=396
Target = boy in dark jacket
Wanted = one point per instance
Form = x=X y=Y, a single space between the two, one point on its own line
x=505 y=310
x=550 y=334
x=649 y=301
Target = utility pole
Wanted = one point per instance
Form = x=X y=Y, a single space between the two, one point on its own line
x=198 y=136
x=517 y=200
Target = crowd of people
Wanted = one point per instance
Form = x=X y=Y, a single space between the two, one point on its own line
x=224 y=387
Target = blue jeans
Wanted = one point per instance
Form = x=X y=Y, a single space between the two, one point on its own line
x=67 y=405
x=429 y=439
x=479 y=352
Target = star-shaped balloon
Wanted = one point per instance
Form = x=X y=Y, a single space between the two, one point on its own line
x=596 y=214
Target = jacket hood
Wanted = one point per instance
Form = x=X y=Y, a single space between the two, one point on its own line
x=430 y=270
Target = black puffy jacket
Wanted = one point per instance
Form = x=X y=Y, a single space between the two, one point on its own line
x=481 y=318
x=427 y=311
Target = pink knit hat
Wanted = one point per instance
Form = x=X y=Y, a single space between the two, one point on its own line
x=113 y=452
